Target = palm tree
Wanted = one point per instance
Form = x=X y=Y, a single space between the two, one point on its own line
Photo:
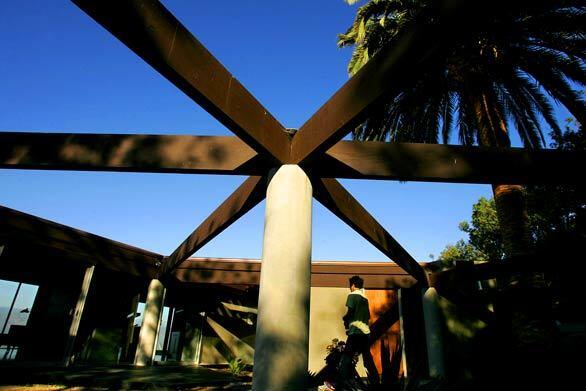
x=483 y=85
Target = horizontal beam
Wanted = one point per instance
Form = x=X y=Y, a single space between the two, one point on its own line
x=385 y=74
x=28 y=231
x=244 y=198
x=129 y=153
x=154 y=34
x=331 y=194
x=231 y=271
x=468 y=272
x=448 y=163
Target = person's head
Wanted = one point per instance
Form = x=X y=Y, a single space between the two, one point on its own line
x=356 y=283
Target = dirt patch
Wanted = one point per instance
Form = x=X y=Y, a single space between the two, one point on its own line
x=37 y=387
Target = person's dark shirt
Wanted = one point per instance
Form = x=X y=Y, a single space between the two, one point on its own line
x=358 y=316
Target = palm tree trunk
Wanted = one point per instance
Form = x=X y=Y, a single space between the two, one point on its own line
x=513 y=219
x=522 y=308
x=509 y=198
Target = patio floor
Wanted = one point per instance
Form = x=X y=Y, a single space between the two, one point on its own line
x=15 y=376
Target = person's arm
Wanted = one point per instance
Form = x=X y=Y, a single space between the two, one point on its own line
x=350 y=312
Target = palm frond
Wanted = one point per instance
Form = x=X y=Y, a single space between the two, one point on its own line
x=524 y=57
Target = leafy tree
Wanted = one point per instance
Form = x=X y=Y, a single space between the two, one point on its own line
x=556 y=210
x=485 y=240
x=484 y=230
x=461 y=251
x=553 y=211
x=483 y=84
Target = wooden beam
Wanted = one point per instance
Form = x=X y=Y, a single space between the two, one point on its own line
x=153 y=33
x=331 y=194
x=448 y=163
x=467 y=273
x=244 y=198
x=28 y=232
x=129 y=153
x=392 y=69
x=234 y=271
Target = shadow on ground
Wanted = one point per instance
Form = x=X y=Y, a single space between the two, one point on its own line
x=168 y=377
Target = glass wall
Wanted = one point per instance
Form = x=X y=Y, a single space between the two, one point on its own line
x=16 y=302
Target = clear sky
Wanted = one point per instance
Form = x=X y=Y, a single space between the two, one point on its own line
x=60 y=71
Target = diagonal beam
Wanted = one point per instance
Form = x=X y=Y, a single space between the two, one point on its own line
x=129 y=153
x=448 y=163
x=246 y=197
x=385 y=74
x=331 y=194
x=153 y=33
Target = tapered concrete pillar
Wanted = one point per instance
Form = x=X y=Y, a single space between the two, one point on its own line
x=402 y=333
x=129 y=335
x=282 y=330
x=151 y=321
x=433 y=332
x=77 y=313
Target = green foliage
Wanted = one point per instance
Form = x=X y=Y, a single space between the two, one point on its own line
x=485 y=240
x=502 y=72
x=553 y=210
x=236 y=366
x=461 y=251
x=484 y=230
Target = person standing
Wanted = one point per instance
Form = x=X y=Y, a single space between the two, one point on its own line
x=356 y=323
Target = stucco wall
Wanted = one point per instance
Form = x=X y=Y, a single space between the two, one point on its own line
x=325 y=324
x=327 y=309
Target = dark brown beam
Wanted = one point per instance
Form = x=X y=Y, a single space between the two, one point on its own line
x=243 y=199
x=129 y=153
x=385 y=74
x=448 y=163
x=23 y=232
x=231 y=271
x=331 y=194
x=468 y=272
x=152 y=32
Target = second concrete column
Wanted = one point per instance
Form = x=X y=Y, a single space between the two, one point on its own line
x=433 y=332
x=149 y=330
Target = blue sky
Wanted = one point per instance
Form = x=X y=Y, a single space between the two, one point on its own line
x=60 y=71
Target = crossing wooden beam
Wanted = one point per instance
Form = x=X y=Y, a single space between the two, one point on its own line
x=385 y=74
x=231 y=156
x=448 y=163
x=153 y=33
x=331 y=194
x=243 y=199
x=129 y=153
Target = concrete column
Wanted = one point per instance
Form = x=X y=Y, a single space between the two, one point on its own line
x=193 y=339
x=433 y=332
x=151 y=321
x=129 y=335
x=77 y=313
x=282 y=330
x=402 y=333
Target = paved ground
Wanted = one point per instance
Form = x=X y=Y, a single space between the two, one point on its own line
x=175 y=378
